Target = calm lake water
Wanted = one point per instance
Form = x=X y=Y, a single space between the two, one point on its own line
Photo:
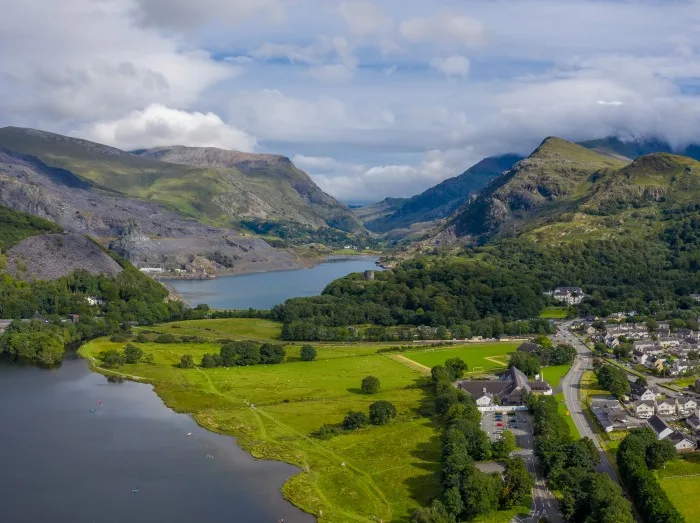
x=265 y=290
x=128 y=461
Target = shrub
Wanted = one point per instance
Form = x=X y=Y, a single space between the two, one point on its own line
x=210 y=360
x=370 y=385
x=381 y=412
x=141 y=338
x=270 y=353
x=117 y=337
x=354 y=420
x=165 y=338
x=308 y=353
x=112 y=359
x=186 y=362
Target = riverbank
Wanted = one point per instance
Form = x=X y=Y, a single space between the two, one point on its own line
x=382 y=472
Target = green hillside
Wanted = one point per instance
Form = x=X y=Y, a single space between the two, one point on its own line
x=261 y=190
x=553 y=180
x=16 y=226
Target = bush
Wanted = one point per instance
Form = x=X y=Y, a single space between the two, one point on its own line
x=354 y=420
x=117 y=337
x=308 y=353
x=370 y=385
x=142 y=338
x=132 y=354
x=186 y=362
x=381 y=412
x=240 y=353
x=165 y=338
x=148 y=359
x=271 y=354
x=326 y=432
x=210 y=360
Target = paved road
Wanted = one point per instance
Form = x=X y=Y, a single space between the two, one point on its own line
x=571 y=385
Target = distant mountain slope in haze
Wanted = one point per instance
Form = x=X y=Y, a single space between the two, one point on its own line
x=375 y=211
x=442 y=200
x=613 y=146
x=219 y=192
x=554 y=176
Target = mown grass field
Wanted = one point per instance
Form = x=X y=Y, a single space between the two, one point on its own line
x=554 y=313
x=235 y=328
x=681 y=481
x=481 y=357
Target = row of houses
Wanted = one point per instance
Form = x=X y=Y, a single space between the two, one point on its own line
x=648 y=401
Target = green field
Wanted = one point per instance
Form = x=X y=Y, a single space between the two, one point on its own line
x=555 y=374
x=481 y=357
x=554 y=313
x=681 y=481
x=273 y=410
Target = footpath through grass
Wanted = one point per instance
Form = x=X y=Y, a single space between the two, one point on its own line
x=376 y=473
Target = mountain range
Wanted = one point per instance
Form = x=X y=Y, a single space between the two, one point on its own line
x=400 y=217
x=169 y=207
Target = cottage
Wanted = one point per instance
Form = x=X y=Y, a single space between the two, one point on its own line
x=94 y=301
x=569 y=295
x=609 y=414
x=686 y=406
x=152 y=270
x=682 y=443
x=668 y=341
x=660 y=427
x=644 y=409
x=667 y=407
x=681 y=366
x=643 y=345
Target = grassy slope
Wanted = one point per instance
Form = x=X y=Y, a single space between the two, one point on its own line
x=15 y=226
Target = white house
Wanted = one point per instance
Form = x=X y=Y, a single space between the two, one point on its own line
x=666 y=407
x=569 y=295
x=484 y=400
x=681 y=366
x=639 y=357
x=641 y=393
x=686 y=406
x=693 y=422
x=682 y=443
x=660 y=427
x=667 y=342
x=644 y=409
x=152 y=270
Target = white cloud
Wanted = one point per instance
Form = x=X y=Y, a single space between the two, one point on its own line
x=454 y=65
x=159 y=125
x=446 y=28
x=365 y=17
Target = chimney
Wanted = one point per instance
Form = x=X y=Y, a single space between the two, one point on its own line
x=484 y=390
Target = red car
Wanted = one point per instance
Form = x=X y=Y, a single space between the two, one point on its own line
x=499 y=424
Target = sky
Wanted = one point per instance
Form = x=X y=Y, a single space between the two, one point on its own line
x=373 y=98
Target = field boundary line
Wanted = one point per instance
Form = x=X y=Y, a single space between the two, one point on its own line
x=680 y=477
x=493 y=359
x=410 y=363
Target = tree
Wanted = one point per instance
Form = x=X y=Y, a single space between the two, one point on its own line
x=141 y=338
x=614 y=379
x=354 y=420
x=456 y=367
x=308 y=353
x=186 y=362
x=436 y=513
x=440 y=373
x=370 y=385
x=517 y=483
x=112 y=359
x=480 y=493
x=529 y=364
x=132 y=354
x=165 y=338
x=543 y=341
x=501 y=448
x=641 y=381
x=148 y=359
x=659 y=453
x=442 y=332
x=271 y=353
x=381 y=412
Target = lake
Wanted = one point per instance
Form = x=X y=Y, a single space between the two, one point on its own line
x=75 y=448
x=265 y=290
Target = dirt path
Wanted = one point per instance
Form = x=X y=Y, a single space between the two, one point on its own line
x=411 y=364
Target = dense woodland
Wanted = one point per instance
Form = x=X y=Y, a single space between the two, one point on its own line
x=44 y=311
x=487 y=290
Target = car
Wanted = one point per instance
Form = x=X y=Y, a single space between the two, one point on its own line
x=499 y=424
x=513 y=426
